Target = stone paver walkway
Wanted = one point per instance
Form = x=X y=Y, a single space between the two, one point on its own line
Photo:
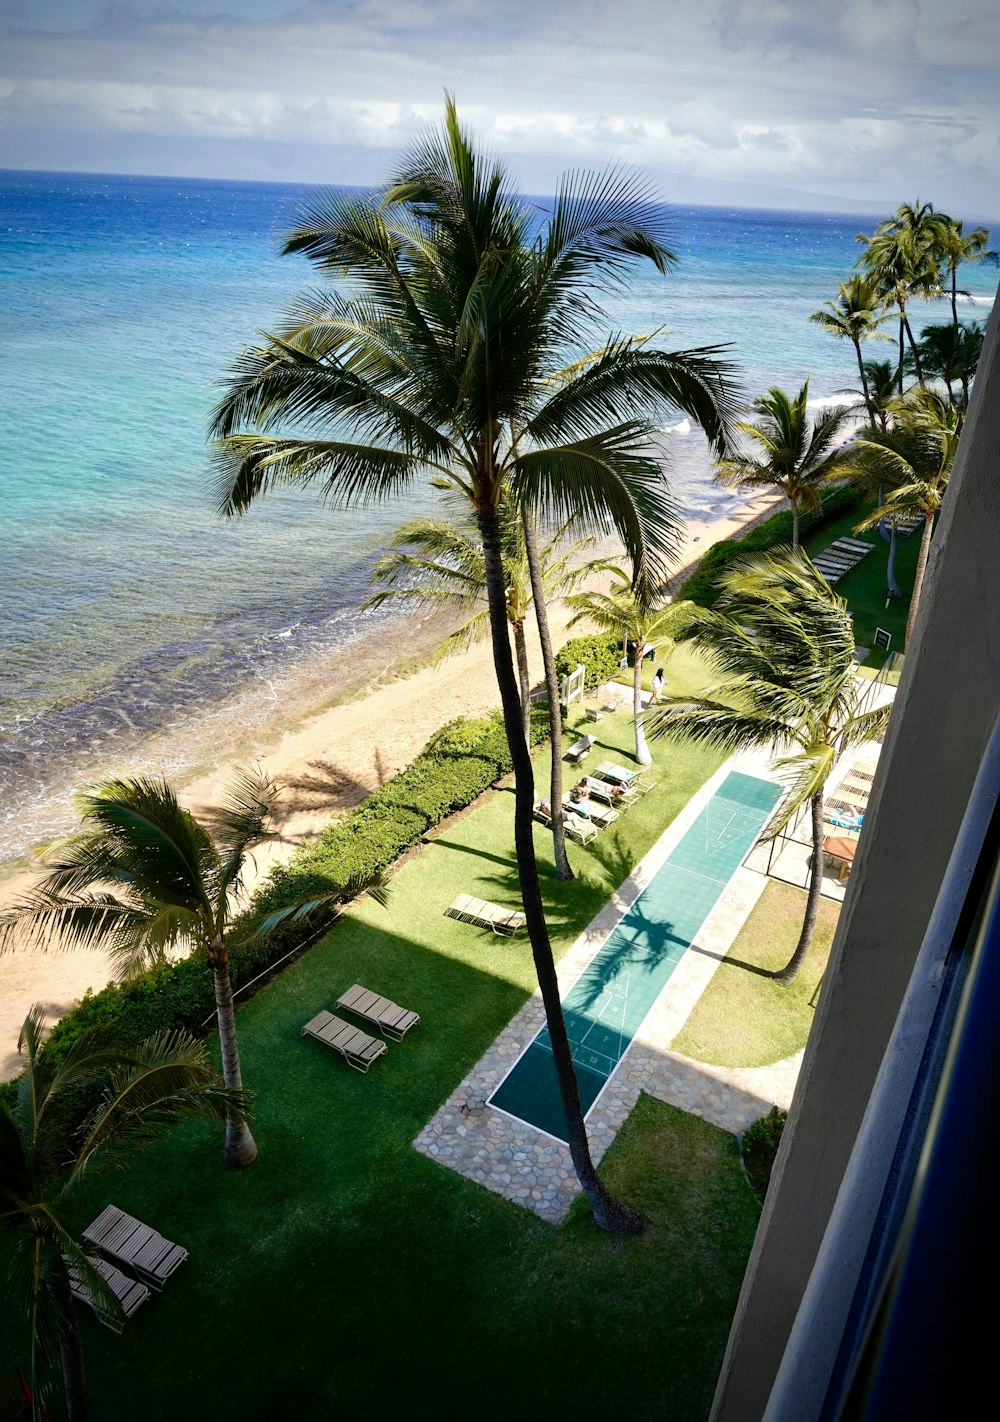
x=514 y=1159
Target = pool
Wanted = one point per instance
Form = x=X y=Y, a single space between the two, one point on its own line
x=608 y=1003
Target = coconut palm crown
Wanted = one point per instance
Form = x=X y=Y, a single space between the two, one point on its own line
x=89 y=1109
x=786 y=452
x=855 y=316
x=783 y=644
x=462 y=344
x=144 y=878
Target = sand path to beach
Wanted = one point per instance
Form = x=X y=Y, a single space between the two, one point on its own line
x=326 y=764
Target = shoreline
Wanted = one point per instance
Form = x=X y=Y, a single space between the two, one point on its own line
x=326 y=755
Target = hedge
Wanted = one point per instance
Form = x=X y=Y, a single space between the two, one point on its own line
x=702 y=586
x=761 y=1140
x=458 y=763
x=600 y=656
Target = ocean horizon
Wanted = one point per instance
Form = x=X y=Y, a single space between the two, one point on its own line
x=130 y=608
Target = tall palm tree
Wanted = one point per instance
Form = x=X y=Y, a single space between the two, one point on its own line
x=92 y=1110
x=783 y=642
x=145 y=877
x=913 y=461
x=438 y=564
x=855 y=316
x=951 y=353
x=786 y=453
x=442 y=357
x=628 y=614
x=901 y=259
x=954 y=246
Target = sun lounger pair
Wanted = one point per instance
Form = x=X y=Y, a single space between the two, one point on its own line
x=619 y=797
x=121 y=1239
x=624 y=776
x=841 y=556
x=486 y=915
x=574 y=825
x=359 y=1049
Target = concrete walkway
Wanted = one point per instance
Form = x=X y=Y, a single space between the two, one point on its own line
x=523 y=1164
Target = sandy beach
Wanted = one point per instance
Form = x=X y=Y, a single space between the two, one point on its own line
x=326 y=762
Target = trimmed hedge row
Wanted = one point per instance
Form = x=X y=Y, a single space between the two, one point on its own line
x=702 y=585
x=600 y=656
x=458 y=763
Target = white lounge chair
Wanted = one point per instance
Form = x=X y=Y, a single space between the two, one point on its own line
x=574 y=825
x=356 y=1047
x=394 y=1021
x=129 y=1242
x=483 y=914
x=129 y=1292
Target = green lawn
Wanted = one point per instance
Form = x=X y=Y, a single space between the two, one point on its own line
x=744 y=1018
x=865 y=586
x=345 y=1268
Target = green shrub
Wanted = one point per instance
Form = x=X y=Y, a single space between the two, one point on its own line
x=600 y=656
x=458 y=763
x=702 y=586
x=761 y=1140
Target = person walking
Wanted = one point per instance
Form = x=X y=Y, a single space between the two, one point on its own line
x=656 y=694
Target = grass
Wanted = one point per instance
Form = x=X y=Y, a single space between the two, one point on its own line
x=744 y=1018
x=344 y=1266
x=865 y=586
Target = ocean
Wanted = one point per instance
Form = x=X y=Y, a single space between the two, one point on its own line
x=138 y=630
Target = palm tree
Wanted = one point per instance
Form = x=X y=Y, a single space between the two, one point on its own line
x=145 y=877
x=438 y=564
x=783 y=642
x=856 y=316
x=91 y=1110
x=954 y=246
x=792 y=457
x=951 y=353
x=913 y=460
x=901 y=259
x=628 y=614
x=446 y=355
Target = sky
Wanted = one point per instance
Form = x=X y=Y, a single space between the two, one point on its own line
x=835 y=104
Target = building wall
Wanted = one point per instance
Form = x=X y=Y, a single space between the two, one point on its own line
x=945 y=711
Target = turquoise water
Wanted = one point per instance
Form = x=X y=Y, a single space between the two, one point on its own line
x=128 y=606
x=611 y=999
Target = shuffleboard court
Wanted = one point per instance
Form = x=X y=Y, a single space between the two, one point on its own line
x=608 y=1003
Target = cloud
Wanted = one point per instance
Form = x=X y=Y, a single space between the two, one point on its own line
x=726 y=89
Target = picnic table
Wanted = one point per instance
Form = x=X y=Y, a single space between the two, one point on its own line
x=842 y=851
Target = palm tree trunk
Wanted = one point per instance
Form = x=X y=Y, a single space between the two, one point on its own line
x=563 y=869
x=642 y=754
x=918 y=576
x=240 y=1148
x=609 y=1213
x=902 y=347
x=70 y=1346
x=791 y=969
x=954 y=296
x=916 y=353
x=795 y=524
x=524 y=681
x=890 y=571
x=869 y=406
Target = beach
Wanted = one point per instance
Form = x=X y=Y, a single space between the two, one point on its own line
x=326 y=760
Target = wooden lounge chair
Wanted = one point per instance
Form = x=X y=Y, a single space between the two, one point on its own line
x=574 y=825
x=129 y=1292
x=393 y=1021
x=486 y=915
x=356 y=1047
x=129 y=1242
x=861 y=544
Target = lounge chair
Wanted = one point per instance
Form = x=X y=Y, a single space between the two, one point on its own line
x=574 y=825
x=616 y=774
x=394 y=1021
x=129 y=1292
x=486 y=915
x=604 y=790
x=600 y=815
x=356 y=1047
x=579 y=749
x=129 y=1242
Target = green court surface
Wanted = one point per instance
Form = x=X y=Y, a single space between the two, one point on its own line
x=608 y=1003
